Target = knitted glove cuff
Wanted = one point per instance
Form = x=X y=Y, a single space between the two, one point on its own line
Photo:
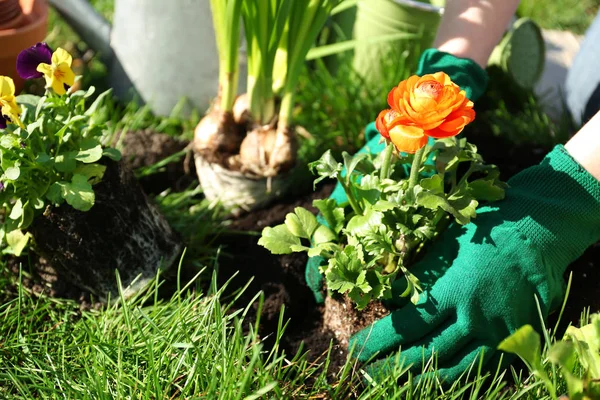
x=465 y=72
x=556 y=205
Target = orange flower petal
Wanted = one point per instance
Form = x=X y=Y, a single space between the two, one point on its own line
x=381 y=125
x=408 y=139
x=431 y=105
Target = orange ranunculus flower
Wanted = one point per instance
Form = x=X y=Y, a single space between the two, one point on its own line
x=431 y=105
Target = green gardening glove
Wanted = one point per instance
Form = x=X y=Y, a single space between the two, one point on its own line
x=480 y=280
x=465 y=73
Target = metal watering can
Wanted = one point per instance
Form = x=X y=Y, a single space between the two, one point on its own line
x=163 y=50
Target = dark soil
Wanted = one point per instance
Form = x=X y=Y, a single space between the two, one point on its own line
x=281 y=278
x=41 y=278
x=123 y=230
x=146 y=148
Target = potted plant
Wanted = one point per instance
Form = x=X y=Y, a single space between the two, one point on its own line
x=66 y=192
x=22 y=24
x=245 y=148
x=392 y=214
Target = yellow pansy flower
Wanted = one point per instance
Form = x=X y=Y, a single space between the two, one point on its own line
x=59 y=73
x=9 y=109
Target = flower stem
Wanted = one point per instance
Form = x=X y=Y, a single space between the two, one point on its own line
x=387 y=161
x=414 y=169
x=357 y=209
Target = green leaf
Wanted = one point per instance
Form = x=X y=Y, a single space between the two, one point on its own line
x=94 y=106
x=384 y=205
x=325 y=167
x=79 y=193
x=278 y=240
x=93 y=172
x=55 y=193
x=525 y=343
x=323 y=234
x=91 y=151
x=435 y=184
x=563 y=353
x=345 y=272
x=17 y=210
x=112 y=153
x=351 y=162
x=433 y=202
x=334 y=215
x=485 y=189
x=17 y=240
x=8 y=141
x=301 y=223
x=42 y=158
x=65 y=162
x=318 y=249
x=362 y=224
x=12 y=173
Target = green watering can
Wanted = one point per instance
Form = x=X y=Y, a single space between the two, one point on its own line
x=402 y=29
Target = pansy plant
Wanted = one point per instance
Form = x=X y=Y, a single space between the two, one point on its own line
x=394 y=211
x=50 y=146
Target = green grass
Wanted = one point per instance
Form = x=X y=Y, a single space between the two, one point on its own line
x=571 y=15
x=195 y=345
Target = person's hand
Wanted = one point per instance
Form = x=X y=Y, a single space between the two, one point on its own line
x=481 y=280
x=465 y=73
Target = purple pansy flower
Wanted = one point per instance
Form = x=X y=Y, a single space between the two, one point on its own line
x=2 y=121
x=29 y=59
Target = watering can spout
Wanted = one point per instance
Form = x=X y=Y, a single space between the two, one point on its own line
x=89 y=25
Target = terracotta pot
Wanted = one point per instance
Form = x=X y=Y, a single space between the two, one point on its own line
x=17 y=33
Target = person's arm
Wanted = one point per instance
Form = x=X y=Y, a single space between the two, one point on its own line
x=472 y=28
x=584 y=147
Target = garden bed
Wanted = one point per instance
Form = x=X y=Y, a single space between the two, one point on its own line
x=281 y=278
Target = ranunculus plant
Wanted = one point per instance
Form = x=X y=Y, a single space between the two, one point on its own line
x=50 y=148
x=394 y=212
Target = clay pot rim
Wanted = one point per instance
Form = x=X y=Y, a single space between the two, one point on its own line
x=39 y=14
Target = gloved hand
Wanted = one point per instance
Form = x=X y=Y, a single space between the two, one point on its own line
x=465 y=73
x=480 y=279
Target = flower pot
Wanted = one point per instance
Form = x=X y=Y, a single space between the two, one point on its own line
x=20 y=32
x=376 y=18
x=239 y=191
x=122 y=231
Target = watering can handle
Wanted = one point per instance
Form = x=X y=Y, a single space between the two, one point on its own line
x=91 y=26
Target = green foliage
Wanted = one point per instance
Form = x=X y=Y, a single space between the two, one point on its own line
x=390 y=221
x=55 y=158
x=571 y=15
x=577 y=357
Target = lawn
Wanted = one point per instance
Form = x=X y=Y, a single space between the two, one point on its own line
x=198 y=332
